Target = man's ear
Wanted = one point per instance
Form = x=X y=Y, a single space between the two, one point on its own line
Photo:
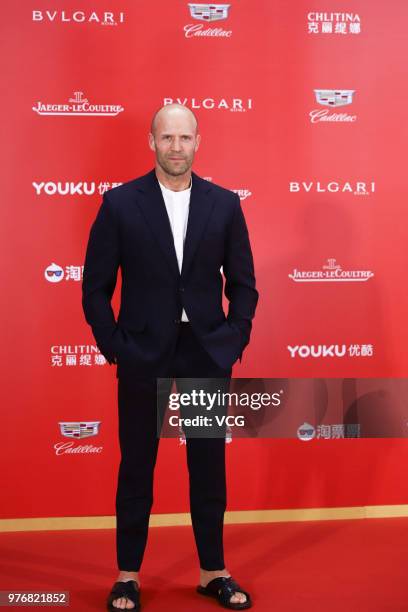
x=198 y=140
x=152 y=144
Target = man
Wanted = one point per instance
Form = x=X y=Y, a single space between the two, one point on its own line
x=170 y=232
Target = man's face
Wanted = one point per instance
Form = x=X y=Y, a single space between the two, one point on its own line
x=174 y=141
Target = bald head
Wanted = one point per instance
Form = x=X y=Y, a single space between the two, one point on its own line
x=175 y=140
x=175 y=112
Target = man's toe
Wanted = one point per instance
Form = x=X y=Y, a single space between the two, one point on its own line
x=123 y=604
x=238 y=598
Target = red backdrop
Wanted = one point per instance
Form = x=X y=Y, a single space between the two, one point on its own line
x=315 y=144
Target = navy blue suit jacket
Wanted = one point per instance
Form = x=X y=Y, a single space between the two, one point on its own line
x=132 y=231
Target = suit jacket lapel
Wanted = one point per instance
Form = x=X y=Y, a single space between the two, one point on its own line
x=201 y=205
x=155 y=213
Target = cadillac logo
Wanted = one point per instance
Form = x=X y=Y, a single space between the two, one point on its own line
x=334 y=97
x=82 y=429
x=209 y=12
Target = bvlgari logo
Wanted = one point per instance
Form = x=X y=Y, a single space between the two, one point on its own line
x=207 y=13
x=78 y=105
x=106 y=18
x=357 y=188
x=332 y=272
x=333 y=98
x=79 y=429
x=234 y=105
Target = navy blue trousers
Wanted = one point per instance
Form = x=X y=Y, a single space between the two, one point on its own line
x=137 y=406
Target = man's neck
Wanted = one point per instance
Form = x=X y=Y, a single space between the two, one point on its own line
x=175 y=183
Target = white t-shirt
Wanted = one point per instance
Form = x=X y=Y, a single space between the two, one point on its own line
x=177 y=206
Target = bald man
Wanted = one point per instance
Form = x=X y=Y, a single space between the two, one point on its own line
x=171 y=233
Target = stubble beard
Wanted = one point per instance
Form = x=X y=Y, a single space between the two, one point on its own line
x=171 y=170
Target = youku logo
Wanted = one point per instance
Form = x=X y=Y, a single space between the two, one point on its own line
x=317 y=351
x=78 y=106
x=207 y=13
x=331 y=272
x=71 y=188
x=106 y=18
x=332 y=98
x=67 y=188
x=234 y=105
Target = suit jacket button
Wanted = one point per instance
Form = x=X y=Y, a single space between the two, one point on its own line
x=177 y=321
x=181 y=288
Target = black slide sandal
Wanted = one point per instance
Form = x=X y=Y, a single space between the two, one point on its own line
x=223 y=589
x=130 y=590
